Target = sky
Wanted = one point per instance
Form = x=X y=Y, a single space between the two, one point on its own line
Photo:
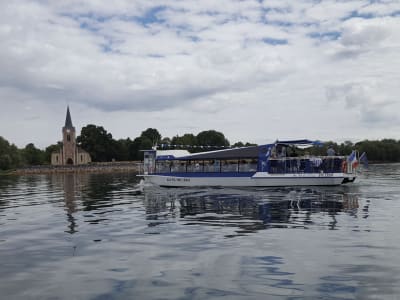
x=256 y=71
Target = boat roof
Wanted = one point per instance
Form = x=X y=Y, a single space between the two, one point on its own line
x=299 y=143
x=241 y=152
x=234 y=153
x=171 y=154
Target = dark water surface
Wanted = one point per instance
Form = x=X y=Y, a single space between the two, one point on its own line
x=94 y=236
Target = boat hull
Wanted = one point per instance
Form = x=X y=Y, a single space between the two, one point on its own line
x=258 y=179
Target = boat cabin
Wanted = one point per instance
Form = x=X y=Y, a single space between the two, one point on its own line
x=281 y=157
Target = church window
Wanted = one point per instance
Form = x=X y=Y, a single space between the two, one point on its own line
x=81 y=158
x=68 y=138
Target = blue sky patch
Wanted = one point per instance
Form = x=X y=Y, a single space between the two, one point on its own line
x=275 y=42
x=356 y=14
x=151 y=16
x=326 y=36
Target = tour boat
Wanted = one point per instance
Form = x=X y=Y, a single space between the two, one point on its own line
x=283 y=163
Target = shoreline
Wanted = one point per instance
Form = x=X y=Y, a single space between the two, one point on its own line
x=109 y=167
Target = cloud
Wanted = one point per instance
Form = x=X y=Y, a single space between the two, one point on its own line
x=367 y=99
x=206 y=60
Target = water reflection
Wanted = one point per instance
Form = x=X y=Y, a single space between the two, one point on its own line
x=65 y=235
x=97 y=194
x=252 y=210
x=7 y=184
x=70 y=184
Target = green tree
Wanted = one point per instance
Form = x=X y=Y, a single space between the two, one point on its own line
x=5 y=158
x=10 y=155
x=212 y=138
x=138 y=144
x=122 y=149
x=386 y=150
x=49 y=150
x=153 y=135
x=98 y=142
x=5 y=162
x=238 y=144
x=33 y=155
x=188 y=139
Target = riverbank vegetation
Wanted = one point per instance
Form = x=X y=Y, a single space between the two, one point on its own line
x=104 y=148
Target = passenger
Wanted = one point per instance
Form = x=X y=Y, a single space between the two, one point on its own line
x=330 y=161
x=283 y=152
x=293 y=153
x=273 y=152
x=330 y=151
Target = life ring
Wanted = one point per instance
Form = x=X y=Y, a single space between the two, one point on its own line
x=344 y=166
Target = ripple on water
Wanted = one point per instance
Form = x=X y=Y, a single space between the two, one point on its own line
x=95 y=236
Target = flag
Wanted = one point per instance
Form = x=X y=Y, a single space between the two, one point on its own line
x=268 y=152
x=364 y=160
x=352 y=159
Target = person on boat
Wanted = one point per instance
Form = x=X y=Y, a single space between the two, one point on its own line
x=330 y=151
x=273 y=152
x=293 y=153
x=282 y=152
x=330 y=161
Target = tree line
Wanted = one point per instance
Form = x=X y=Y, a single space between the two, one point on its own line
x=102 y=147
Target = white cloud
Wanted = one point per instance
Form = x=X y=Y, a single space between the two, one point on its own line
x=247 y=68
x=369 y=99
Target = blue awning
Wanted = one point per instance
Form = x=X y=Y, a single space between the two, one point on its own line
x=300 y=143
x=165 y=157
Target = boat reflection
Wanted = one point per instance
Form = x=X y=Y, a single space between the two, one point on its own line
x=250 y=211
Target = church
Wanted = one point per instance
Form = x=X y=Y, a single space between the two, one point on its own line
x=70 y=153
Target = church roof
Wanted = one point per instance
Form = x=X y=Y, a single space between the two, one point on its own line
x=68 y=120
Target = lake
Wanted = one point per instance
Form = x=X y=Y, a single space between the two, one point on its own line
x=96 y=236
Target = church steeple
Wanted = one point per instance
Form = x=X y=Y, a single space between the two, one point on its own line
x=70 y=153
x=69 y=141
x=68 y=120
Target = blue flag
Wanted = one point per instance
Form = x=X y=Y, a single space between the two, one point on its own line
x=364 y=160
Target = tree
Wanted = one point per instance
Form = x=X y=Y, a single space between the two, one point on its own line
x=212 y=138
x=152 y=134
x=122 y=149
x=10 y=155
x=188 y=139
x=98 y=142
x=240 y=144
x=5 y=161
x=5 y=158
x=138 y=144
x=33 y=155
x=165 y=141
x=49 y=150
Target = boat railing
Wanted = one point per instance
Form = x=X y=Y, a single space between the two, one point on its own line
x=284 y=165
x=215 y=166
x=307 y=164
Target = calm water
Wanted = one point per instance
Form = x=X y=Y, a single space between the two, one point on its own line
x=94 y=236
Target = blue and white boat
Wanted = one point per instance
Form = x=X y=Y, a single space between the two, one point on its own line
x=269 y=165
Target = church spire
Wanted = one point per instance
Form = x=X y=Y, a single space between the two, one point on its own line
x=68 y=121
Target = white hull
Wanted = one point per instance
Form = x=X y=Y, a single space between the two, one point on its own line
x=260 y=179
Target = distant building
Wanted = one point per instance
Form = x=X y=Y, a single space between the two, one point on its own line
x=70 y=154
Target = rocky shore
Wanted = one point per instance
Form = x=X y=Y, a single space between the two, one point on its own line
x=127 y=166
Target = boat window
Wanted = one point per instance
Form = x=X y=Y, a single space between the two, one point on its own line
x=247 y=165
x=207 y=166
x=229 y=165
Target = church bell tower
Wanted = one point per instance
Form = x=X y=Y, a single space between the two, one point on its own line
x=69 y=141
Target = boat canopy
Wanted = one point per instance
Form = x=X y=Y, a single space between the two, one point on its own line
x=242 y=152
x=300 y=143
x=171 y=154
x=238 y=153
